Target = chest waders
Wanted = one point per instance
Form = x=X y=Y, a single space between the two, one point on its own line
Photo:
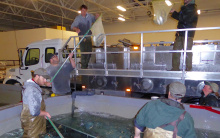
x=159 y=132
x=33 y=125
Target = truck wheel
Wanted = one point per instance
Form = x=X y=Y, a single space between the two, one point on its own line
x=14 y=82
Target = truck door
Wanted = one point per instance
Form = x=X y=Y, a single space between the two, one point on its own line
x=31 y=62
x=46 y=51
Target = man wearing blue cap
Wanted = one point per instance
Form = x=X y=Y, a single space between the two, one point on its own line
x=61 y=83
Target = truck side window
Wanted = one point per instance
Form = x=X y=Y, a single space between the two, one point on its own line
x=47 y=51
x=32 y=57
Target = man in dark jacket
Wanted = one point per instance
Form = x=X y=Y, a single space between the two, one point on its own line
x=208 y=97
x=187 y=18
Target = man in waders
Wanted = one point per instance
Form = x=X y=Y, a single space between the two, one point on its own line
x=166 y=118
x=33 y=115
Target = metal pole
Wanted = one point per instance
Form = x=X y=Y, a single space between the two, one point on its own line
x=72 y=50
x=184 y=56
x=141 y=60
x=68 y=57
x=74 y=42
x=106 y=63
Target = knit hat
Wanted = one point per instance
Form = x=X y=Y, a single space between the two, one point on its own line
x=42 y=72
x=213 y=86
x=177 y=90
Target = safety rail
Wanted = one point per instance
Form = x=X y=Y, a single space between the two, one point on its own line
x=150 y=73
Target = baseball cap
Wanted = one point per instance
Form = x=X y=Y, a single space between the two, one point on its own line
x=50 y=55
x=213 y=86
x=42 y=72
x=177 y=90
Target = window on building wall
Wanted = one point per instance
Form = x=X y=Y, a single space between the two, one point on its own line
x=47 y=51
x=32 y=57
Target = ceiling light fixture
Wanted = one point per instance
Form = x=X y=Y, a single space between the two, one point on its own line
x=121 y=15
x=168 y=3
x=199 y=11
x=121 y=8
x=120 y=18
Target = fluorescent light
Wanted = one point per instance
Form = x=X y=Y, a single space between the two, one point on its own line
x=199 y=11
x=121 y=8
x=121 y=15
x=79 y=11
x=168 y=3
x=120 y=18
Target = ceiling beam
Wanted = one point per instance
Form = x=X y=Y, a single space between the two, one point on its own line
x=34 y=10
x=59 y=6
x=106 y=8
x=20 y=21
x=142 y=5
x=137 y=1
x=53 y=22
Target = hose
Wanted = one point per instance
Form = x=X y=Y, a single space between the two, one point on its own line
x=55 y=127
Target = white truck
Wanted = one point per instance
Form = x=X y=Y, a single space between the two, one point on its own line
x=35 y=56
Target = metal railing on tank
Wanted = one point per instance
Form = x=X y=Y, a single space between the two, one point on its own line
x=150 y=73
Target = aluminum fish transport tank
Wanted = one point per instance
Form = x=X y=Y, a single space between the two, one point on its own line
x=122 y=107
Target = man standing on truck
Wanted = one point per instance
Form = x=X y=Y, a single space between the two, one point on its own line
x=187 y=18
x=33 y=112
x=61 y=83
x=166 y=117
x=81 y=25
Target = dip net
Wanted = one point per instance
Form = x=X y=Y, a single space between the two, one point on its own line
x=98 y=32
x=161 y=11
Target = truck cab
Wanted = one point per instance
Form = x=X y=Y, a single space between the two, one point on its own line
x=34 y=56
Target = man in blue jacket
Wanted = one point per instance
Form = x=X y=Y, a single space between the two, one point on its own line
x=166 y=117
